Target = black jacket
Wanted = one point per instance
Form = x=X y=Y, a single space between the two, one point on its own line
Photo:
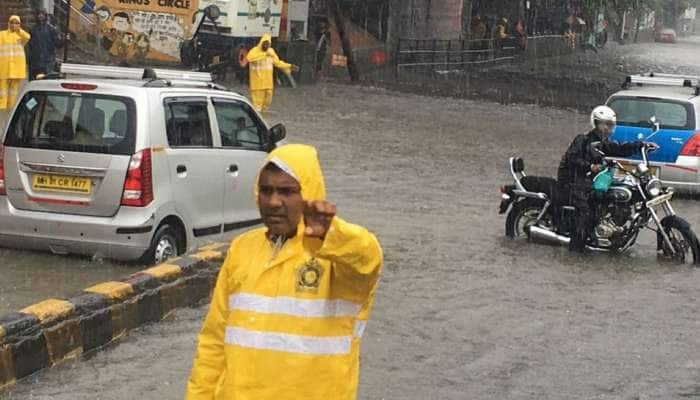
x=42 y=45
x=575 y=166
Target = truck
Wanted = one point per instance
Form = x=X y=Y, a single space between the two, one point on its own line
x=225 y=30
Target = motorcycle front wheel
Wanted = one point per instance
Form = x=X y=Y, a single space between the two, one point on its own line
x=686 y=248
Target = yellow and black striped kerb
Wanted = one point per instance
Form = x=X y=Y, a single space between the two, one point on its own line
x=53 y=330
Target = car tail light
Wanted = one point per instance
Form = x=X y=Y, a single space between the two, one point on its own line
x=138 y=186
x=2 y=170
x=692 y=147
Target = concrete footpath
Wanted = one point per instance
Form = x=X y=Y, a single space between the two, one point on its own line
x=49 y=332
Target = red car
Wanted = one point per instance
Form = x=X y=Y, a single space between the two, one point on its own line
x=666 y=35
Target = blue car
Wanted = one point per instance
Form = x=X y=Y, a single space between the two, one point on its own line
x=663 y=109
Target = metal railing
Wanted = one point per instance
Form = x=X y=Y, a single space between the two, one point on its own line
x=429 y=56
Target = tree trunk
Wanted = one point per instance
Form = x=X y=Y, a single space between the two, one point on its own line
x=337 y=14
x=637 y=25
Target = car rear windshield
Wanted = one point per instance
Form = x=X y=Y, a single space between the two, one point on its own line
x=87 y=123
x=637 y=111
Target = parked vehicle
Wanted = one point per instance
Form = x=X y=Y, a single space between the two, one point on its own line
x=129 y=164
x=666 y=35
x=663 y=109
x=632 y=201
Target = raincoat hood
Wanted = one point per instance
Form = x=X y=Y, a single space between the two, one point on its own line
x=14 y=18
x=301 y=163
x=265 y=38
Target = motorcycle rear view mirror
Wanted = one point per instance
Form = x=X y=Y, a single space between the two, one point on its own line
x=655 y=125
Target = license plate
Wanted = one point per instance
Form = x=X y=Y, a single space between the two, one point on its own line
x=60 y=183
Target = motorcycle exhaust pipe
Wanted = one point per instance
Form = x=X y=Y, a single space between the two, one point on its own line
x=543 y=234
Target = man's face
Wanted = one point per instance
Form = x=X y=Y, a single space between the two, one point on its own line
x=265 y=45
x=281 y=205
x=103 y=14
x=41 y=17
x=120 y=23
x=605 y=128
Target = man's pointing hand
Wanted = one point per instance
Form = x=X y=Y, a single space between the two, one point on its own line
x=318 y=215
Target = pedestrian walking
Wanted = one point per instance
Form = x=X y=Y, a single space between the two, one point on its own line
x=500 y=33
x=324 y=40
x=41 y=49
x=13 y=63
x=292 y=298
x=521 y=35
x=477 y=28
x=262 y=60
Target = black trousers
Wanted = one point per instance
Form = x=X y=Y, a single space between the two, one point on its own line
x=580 y=196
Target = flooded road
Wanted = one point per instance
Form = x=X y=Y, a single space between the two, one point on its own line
x=461 y=312
x=28 y=277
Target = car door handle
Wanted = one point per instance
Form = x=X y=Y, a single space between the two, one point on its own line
x=181 y=169
x=233 y=168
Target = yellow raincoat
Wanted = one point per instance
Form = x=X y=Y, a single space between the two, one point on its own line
x=261 y=68
x=287 y=325
x=13 y=64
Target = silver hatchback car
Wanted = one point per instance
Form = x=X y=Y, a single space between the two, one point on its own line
x=129 y=164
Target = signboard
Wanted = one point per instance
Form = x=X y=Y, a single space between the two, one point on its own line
x=339 y=61
x=135 y=29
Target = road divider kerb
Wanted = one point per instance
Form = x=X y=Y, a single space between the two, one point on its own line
x=112 y=290
x=51 y=331
x=49 y=310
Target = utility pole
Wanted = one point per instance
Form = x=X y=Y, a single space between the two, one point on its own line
x=66 y=43
x=337 y=14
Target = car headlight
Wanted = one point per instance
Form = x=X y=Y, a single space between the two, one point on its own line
x=654 y=187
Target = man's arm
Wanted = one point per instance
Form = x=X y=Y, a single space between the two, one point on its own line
x=286 y=67
x=353 y=251
x=356 y=257
x=23 y=36
x=56 y=37
x=615 y=149
x=209 y=362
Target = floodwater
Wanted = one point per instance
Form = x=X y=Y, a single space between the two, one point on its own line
x=461 y=311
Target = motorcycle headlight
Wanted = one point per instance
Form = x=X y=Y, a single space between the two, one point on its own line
x=654 y=187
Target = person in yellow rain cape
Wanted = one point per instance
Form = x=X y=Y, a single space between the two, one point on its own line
x=262 y=59
x=13 y=62
x=292 y=298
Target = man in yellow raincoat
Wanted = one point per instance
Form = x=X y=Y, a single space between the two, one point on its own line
x=292 y=298
x=262 y=60
x=13 y=63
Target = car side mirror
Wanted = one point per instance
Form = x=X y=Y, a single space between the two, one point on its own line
x=277 y=133
x=654 y=123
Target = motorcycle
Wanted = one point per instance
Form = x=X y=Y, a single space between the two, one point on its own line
x=633 y=201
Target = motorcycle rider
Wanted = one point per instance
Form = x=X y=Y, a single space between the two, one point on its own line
x=582 y=162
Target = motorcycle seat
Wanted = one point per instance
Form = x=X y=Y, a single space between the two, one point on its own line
x=540 y=184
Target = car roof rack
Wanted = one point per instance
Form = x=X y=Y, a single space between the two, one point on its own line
x=160 y=83
x=657 y=79
x=150 y=74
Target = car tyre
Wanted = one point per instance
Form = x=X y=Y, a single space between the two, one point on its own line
x=164 y=245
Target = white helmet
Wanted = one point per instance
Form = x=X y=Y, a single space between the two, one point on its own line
x=603 y=113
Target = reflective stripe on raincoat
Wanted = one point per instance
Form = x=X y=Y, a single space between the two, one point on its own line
x=287 y=323
x=13 y=64
x=261 y=64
